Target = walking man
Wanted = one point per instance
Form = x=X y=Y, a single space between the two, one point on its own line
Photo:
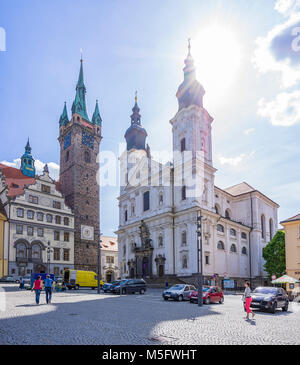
x=49 y=284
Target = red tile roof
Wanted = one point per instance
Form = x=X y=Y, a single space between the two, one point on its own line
x=15 y=180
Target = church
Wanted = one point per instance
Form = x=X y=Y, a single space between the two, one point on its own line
x=159 y=204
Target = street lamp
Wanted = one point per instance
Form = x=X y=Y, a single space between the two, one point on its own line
x=99 y=263
x=49 y=249
x=199 y=255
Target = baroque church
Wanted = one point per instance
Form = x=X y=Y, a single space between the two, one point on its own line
x=159 y=204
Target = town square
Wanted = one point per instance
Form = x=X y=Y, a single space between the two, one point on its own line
x=149 y=173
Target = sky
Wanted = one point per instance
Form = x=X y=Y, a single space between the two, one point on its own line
x=247 y=55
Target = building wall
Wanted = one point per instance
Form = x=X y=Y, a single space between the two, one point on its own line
x=3 y=246
x=292 y=247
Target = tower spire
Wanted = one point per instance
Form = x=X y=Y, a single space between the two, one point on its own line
x=96 y=119
x=27 y=162
x=135 y=116
x=79 y=104
x=64 y=120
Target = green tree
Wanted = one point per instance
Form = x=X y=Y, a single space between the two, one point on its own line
x=274 y=255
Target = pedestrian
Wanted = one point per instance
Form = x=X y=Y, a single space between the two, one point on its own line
x=21 y=283
x=248 y=299
x=37 y=287
x=49 y=286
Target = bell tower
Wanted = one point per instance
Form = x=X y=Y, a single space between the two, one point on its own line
x=79 y=139
x=27 y=162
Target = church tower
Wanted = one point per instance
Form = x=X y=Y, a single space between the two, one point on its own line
x=192 y=144
x=27 y=162
x=79 y=140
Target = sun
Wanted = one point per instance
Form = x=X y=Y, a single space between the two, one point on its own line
x=217 y=54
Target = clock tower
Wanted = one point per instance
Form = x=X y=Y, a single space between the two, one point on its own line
x=79 y=139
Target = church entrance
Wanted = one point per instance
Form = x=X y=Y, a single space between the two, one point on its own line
x=132 y=273
x=161 y=271
x=145 y=266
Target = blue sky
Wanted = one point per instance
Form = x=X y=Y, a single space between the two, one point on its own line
x=140 y=45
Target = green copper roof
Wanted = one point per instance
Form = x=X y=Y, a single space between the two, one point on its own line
x=96 y=116
x=64 y=120
x=79 y=104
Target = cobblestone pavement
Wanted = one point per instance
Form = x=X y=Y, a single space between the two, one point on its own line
x=83 y=317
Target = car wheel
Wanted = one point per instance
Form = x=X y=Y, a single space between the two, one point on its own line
x=76 y=287
x=221 y=301
x=142 y=291
x=207 y=300
x=180 y=298
x=285 y=308
x=274 y=307
x=166 y=298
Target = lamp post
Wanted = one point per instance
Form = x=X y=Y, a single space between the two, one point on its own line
x=99 y=263
x=199 y=255
x=49 y=249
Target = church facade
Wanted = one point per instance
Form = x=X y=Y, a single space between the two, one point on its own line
x=159 y=204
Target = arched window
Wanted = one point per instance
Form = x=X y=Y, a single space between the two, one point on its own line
x=227 y=214
x=182 y=144
x=217 y=209
x=220 y=245
x=220 y=228
x=160 y=198
x=271 y=228
x=244 y=251
x=244 y=235
x=87 y=156
x=232 y=232
x=263 y=226
x=184 y=262
x=124 y=250
x=36 y=251
x=183 y=192
x=49 y=218
x=183 y=238
x=21 y=250
x=233 y=248
x=67 y=156
x=160 y=241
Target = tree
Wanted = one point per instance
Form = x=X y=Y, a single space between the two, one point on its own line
x=274 y=255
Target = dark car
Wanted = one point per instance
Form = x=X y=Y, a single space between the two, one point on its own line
x=117 y=283
x=7 y=279
x=269 y=298
x=131 y=286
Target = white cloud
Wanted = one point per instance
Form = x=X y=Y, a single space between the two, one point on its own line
x=249 y=131
x=236 y=161
x=284 y=110
x=287 y=7
x=39 y=166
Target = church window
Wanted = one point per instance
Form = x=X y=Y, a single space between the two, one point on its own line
x=160 y=241
x=40 y=216
x=20 y=212
x=183 y=192
x=182 y=144
x=36 y=251
x=126 y=215
x=161 y=198
x=49 y=218
x=58 y=219
x=217 y=209
x=124 y=250
x=146 y=200
x=87 y=157
x=56 y=235
x=227 y=214
x=271 y=228
x=184 y=262
x=30 y=214
x=67 y=156
x=220 y=228
x=244 y=235
x=232 y=232
x=30 y=231
x=206 y=259
x=132 y=209
x=19 y=228
x=244 y=250
x=233 y=248
x=263 y=227
x=183 y=238
x=40 y=232
x=66 y=221
x=220 y=245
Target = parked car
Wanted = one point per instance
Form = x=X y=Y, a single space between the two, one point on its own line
x=211 y=294
x=178 y=292
x=270 y=298
x=7 y=279
x=114 y=285
x=107 y=286
x=131 y=286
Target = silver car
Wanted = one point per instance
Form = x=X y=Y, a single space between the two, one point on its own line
x=178 y=292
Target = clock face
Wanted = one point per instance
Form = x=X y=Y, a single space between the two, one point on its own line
x=87 y=233
x=88 y=140
x=67 y=140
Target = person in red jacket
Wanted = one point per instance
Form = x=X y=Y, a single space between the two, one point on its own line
x=37 y=287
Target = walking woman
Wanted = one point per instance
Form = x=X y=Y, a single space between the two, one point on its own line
x=248 y=300
x=37 y=287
